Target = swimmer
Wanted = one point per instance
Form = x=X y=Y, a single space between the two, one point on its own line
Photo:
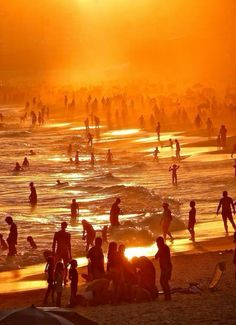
x=17 y=167
x=109 y=157
x=25 y=162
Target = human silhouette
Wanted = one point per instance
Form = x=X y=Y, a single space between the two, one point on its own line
x=166 y=221
x=163 y=255
x=73 y=276
x=89 y=234
x=158 y=130
x=192 y=220
x=12 y=237
x=58 y=280
x=155 y=154
x=227 y=205
x=33 y=198
x=61 y=247
x=177 y=149
x=25 y=162
x=31 y=241
x=17 y=167
x=49 y=270
x=174 y=169
x=96 y=260
x=74 y=208
x=115 y=212
x=109 y=156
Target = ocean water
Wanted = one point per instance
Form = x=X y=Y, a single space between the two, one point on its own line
x=142 y=184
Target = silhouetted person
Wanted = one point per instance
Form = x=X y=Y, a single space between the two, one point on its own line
x=89 y=234
x=158 y=130
x=177 y=149
x=12 y=237
x=233 y=150
x=49 y=270
x=17 y=167
x=174 y=169
x=104 y=234
x=86 y=124
x=227 y=205
x=69 y=150
x=146 y=275
x=73 y=276
x=223 y=135
x=62 y=246
x=155 y=154
x=92 y=159
x=109 y=156
x=58 y=279
x=141 y=122
x=77 y=157
x=31 y=241
x=115 y=212
x=74 y=208
x=163 y=255
x=3 y=244
x=234 y=166
x=33 y=195
x=166 y=221
x=171 y=143
x=32 y=153
x=192 y=220
x=198 y=121
x=209 y=127
x=25 y=162
x=90 y=139
x=96 y=260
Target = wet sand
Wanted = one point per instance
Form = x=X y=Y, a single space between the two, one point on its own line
x=216 y=307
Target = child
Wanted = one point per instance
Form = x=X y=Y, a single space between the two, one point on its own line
x=174 y=169
x=3 y=244
x=31 y=242
x=73 y=276
x=58 y=278
x=192 y=220
x=155 y=154
x=50 y=271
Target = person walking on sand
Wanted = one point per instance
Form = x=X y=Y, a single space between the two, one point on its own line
x=12 y=237
x=163 y=255
x=33 y=198
x=174 y=169
x=74 y=209
x=192 y=220
x=114 y=213
x=166 y=221
x=177 y=149
x=227 y=205
x=62 y=247
x=155 y=154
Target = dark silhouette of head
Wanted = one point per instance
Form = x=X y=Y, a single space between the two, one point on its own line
x=160 y=242
x=64 y=225
x=112 y=248
x=31 y=184
x=118 y=200
x=225 y=194
x=192 y=204
x=9 y=220
x=98 y=242
x=165 y=205
x=73 y=200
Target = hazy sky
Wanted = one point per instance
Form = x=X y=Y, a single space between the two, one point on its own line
x=106 y=39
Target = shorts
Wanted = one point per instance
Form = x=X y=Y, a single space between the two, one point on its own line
x=226 y=216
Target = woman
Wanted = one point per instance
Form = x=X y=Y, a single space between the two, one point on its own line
x=166 y=221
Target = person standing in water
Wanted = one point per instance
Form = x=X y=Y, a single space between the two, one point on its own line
x=177 y=149
x=92 y=159
x=25 y=162
x=192 y=220
x=74 y=209
x=227 y=205
x=115 y=212
x=171 y=143
x=33 y=198
x=174 y=169
x=163 y=255
x=62 y=247
x=158 y=131
x=12 y=237
x=166 y=221
x=155 y=154
x=109 y=156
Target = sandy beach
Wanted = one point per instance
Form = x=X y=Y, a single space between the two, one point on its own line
x=207 y=307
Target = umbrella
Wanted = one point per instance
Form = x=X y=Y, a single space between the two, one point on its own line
x=70 y=315
x=32 y=316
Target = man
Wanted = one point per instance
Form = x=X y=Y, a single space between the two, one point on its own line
x=62 y=246
x=96 y=261
x=114 y=213
x=163 y=255
x=12 y=237
x=74 y=208
x=227 y=204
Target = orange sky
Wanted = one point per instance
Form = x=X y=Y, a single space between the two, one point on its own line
x=96 y=40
